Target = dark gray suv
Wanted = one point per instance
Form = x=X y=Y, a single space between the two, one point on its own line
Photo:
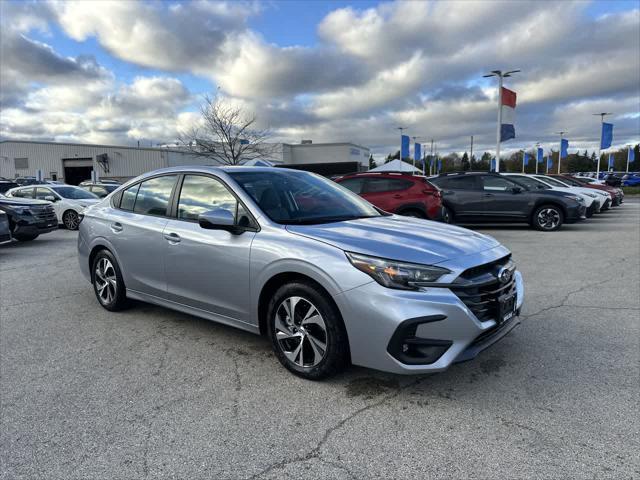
x=492 y=198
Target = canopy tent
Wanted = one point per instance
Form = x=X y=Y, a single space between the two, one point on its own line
x=396 y=166
x=257 y=163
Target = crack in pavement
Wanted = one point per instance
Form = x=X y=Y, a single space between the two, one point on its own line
x=315 y=451
x=563 y=302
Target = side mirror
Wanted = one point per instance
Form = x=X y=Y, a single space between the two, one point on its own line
x=516 y=189
x=218 y=219
x=50 y=198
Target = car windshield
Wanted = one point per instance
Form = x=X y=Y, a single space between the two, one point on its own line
x=73 y=193
x=554 y=182
x=530 y=183
x=292 y=197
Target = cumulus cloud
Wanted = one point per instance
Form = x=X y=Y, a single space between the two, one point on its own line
x=415 y=63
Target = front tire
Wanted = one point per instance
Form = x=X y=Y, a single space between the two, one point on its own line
x=107 y=282
x=306 y=331
x=71 y=220
x=548 y=218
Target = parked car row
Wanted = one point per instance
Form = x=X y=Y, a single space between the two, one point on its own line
x=24 y=216
x=545 y=202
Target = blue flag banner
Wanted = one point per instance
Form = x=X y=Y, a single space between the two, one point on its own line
x=439 y=164
x=564 y=146
x=493 y=164
x=526 y=159
x=611 y=160
x=417 y=152
x=632 y=155
x=549 y=162
x=404 y=147
x=607 y=135
x=540 y=155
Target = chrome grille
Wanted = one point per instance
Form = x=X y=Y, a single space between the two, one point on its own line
x=45 y=213
x=480 y=290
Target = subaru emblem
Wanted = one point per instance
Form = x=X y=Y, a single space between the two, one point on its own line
x=504 y=275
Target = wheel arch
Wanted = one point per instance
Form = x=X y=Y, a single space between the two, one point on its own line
x=274 y=283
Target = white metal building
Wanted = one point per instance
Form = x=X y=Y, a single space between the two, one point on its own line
x=74 y=162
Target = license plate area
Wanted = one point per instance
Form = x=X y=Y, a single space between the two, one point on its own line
x=506 y=307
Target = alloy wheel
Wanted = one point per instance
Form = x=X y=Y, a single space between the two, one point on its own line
x=106 y=282
x=548 y=218
x=301 y=332
x=71 y=220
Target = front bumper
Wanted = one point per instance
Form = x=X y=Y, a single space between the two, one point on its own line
x=373 y=314
x=575 y=214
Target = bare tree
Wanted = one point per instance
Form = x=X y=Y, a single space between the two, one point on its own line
x=227 y=134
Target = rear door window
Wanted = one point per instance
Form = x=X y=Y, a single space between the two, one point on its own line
x=23 y=193
x=462 y=182
x=375 y=185
x=129 y=197
x=494 y=183
x=353 y=184
x=153 y=196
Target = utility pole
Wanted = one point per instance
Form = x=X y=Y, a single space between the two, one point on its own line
x=601 y=115
x=560 y=151
x=501 y=76
x=471 y=154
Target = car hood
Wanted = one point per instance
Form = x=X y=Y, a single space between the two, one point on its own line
x=399 y=238
x=86 y=202
x=27 y=202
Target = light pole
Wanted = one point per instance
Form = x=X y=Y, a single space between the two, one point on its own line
x=601 y=115
x=560 y=151
x=501 y=76
x=400 y=155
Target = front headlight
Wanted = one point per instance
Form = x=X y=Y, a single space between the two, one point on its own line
x=22 y=210
x=395 y=274
x=589 y=194
x=576 y=198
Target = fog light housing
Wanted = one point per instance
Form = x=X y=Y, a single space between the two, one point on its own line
x=410 y=349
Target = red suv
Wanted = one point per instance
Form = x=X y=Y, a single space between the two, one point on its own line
x=401 y=193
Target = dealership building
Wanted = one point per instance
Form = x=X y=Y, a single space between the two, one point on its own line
x=74 y=162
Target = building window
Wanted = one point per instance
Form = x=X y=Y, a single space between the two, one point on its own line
x=21 y=163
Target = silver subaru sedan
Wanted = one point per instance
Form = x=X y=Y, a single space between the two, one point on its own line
x=328 y=277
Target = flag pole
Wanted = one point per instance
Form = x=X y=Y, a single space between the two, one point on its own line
x=523 y=154
x=628 y=156
x=602 y=115
x=560 y=151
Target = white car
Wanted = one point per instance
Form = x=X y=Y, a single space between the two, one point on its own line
x=595 y=181
x=68 y=201
x=600 y=196
x=591 y=200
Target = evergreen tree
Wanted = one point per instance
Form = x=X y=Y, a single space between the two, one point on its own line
x=372 y=162
x=466 y=165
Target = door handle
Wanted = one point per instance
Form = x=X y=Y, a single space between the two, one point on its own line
x=449 y=192
x=116 y=227
x=488 y=194
x=172 y=237
x=397 y=195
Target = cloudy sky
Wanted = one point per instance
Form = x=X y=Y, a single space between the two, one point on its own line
x=118 y=72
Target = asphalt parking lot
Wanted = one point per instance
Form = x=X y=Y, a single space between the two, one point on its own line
x=153 y=393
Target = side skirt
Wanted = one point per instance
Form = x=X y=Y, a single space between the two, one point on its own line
x=196 y=312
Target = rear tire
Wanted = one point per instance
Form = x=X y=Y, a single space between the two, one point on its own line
x=306 y=331
x=413 y=213
x=547 y=218
x=108 y=284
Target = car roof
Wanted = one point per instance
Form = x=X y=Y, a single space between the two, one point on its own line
x=380 y=174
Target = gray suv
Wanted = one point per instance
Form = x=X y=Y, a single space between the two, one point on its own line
x=329 y=278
